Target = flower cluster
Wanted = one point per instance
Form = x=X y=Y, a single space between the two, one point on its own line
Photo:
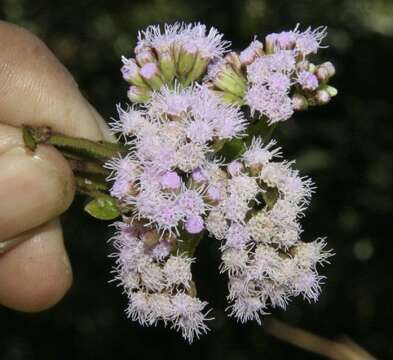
x=172 y=137
x=276 y=78
x=262 y=251
x=180 y=52
x=159 y=285
x=190 y=100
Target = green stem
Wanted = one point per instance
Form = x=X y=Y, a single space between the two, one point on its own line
x=83 y=147
x=114 y=146
x=87 y=167
x=89 y=186
x=72 y=146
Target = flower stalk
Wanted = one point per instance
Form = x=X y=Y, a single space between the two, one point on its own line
x=96 y=150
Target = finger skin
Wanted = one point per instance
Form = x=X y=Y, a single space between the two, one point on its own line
x=36 y=89
x=37 y=273
x=34 y=187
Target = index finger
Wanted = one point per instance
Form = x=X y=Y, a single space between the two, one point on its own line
x=37 y=90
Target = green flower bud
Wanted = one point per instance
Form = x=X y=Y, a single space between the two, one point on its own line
x=332 y=91
x=152 y=76
x=325 y=71
x=167 y=64
x=187 y=55
x=130 y=72
x=330 y=68
x=250 y=53
x=299 y=102
x=322 y=74
x=312 y=68
x=199 y=68
x=234 y=59
x=145 y=56
x=322 y=97
x=151 y=238
x=229 y=98
x=138 y=94
x=228 y=80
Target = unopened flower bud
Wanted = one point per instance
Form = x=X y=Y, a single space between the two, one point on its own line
x=248 y=55
x=214 y=193
x=229 y=98
x=138 y=94
x=235 y=168
x=199 y=69
x=176 y=48
x=322 y=74
x=133 y=189
x=299 y=102
x=302 y=65
x=194 y=224
x=332 y=91
x=325 y=71
x=233 y=59
x=311 y=68
x=170 y=180
x=167 y=64
x=227 y=79
x=187 y=55
x=144 y=57
x=199 y=176
x=130 y=72
x=307 y=80
x=285 y=40
x=140 y=48
x=330 y=68
x=322 y=97
x=151 y=74
x=151 y=238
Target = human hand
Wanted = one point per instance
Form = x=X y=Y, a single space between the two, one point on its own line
x=36 y=90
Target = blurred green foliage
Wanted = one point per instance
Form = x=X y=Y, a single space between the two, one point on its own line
x=346 y=147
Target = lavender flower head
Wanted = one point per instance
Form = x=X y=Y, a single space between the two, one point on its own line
x=191 y=97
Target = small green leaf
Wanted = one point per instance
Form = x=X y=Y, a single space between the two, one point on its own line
x=103 y=207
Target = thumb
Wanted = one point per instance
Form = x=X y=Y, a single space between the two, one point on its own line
x=37 y=273
x=34 y=188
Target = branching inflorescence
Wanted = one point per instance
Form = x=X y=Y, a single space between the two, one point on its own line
x=192 y=99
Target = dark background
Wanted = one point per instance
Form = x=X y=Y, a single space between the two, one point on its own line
x=346 y=147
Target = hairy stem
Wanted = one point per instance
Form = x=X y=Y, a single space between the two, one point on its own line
x=84 y=148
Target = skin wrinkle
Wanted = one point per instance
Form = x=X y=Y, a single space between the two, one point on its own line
x=6 y=74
